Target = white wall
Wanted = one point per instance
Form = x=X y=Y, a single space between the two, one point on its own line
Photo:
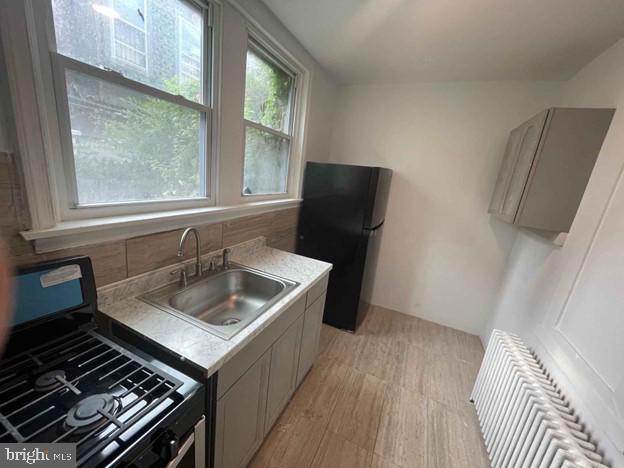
x=321 y=117
x=442 y=256
x=568 y=303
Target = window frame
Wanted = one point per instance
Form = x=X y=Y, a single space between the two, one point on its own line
x=62 y=171
x=269 y=52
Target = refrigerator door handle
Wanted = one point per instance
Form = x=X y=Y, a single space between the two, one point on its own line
x=374 y=228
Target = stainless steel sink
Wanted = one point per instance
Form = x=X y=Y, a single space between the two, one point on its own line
x=223 y=302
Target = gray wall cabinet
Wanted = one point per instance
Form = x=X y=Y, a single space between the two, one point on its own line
x=254 y=387
x=546 y=166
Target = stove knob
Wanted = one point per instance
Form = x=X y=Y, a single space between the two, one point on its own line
x=170 y=447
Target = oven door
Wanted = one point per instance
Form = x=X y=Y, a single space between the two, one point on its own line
x=192 y=452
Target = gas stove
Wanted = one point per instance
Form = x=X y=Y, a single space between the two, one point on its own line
x=63 y=382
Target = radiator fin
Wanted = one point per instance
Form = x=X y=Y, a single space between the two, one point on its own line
x=525 y=420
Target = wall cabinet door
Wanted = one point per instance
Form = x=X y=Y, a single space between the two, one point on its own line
x=506 y=171
x=241 y=413
x=310 y=337
x=283 y=371
x=519 y=154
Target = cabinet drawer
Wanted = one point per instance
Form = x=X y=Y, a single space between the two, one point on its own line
x=315 y=291
x=238 y=365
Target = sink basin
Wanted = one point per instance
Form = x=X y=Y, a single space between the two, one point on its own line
x=224 y=302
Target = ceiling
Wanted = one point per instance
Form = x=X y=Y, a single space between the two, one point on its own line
x=393 y=41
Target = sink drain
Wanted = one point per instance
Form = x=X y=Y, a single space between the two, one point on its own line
x=230 y=321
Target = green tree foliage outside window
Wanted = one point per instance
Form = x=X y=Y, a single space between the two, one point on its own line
x=144 y=148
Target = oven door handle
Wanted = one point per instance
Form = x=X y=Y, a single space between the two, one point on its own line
x=197 y=437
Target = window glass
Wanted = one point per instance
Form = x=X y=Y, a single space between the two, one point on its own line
x=268 y=91
x=155 y=42
x=129 y=146
x=266 y=162
x=129 y=35
x=189 y=63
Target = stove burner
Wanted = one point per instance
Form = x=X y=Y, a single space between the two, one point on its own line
x=91 y=411
x=49 y=380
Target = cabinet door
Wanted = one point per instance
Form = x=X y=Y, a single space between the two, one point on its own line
x=310 y=337
x=283 y=371
x=241 y=417
x=531 y=132
x=506 y=171
x=512 y=177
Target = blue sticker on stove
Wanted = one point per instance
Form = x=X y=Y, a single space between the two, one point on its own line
x=37 y=297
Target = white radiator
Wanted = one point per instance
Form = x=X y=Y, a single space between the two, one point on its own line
x=525 y=420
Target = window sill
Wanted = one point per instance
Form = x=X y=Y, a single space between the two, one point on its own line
x=68 y=234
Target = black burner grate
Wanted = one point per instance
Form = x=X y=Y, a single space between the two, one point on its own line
x=40 y=387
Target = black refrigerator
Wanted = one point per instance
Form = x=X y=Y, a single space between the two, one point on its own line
x=341 y=220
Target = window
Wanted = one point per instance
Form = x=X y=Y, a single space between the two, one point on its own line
x=132 y=132
x=269 y=98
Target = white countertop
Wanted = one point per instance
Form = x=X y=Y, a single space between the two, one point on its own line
x=196 y=345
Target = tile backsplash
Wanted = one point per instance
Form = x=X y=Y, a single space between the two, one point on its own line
x=115 y=261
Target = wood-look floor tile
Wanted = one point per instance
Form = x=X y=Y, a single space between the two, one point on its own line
x=402 y=430
x=336 y=451
x=319 y=392
x=387 y=324
x=436 y=339
x=382 y=358
x=378 y=322
x=357 y=413
x=345 y=347
x=380 y=462
x=415 y=369
x=446 y=381
x=452 y=439
x=471 y=349
x=328 y=334
x=290 y=445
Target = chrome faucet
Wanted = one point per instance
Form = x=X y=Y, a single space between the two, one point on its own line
x=226 y=259
x=198 y=265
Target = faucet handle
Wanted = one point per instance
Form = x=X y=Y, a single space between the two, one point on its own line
x=183 y=278
x=226 y=258
x=212 y=265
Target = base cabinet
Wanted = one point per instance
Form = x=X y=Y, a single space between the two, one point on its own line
x=255 y=386
x=241 y=413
